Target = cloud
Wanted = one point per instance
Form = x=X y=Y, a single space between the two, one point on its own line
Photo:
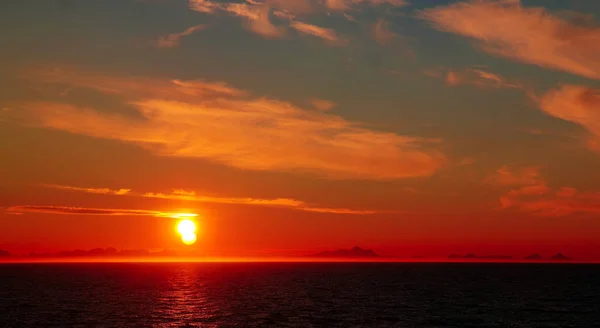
x=395 y=3
x=132 y=87
x=565 y=201
x=338 y=211
x=204 y=6
x=186 y=195
x=255 y=14
x=263 y=26
x=475 y=77
x=337 y=5
x=257 y=19
x=533 y=195
x=576 y=104
x=382 y=33
x=300 y=7
x=68 y=210
x=531 y=35
x=172 y=40
x=511 y=176
x=350 y=18
x=217 y=122
x=104 y=191
x=327 y=34
x=343 y=5
x=278 y=202
x=191 y=196
x=466 y=161
x=322 y=104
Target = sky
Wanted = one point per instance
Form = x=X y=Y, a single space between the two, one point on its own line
x=415 y=128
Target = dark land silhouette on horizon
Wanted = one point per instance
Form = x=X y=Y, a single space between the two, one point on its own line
x=476 y=257
x=534 y=257
x=355 y=252
x=560 y=257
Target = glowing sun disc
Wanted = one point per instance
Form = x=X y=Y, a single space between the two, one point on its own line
x=187 y=230
x=188 y=238
x=186 y=227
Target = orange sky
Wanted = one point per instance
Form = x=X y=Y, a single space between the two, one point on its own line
x=418 y=128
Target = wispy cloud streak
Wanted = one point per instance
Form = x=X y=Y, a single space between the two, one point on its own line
x=192 y=196
x=531 y=35
x=172 y=40
x=326 y=34
x=215 y=121
x=576 y=104
x=476 y=77
x=68 y=210
x=104 y=191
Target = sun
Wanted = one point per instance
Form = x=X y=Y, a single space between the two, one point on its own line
x=186 y=226
x=188 y=238
x=187 y=230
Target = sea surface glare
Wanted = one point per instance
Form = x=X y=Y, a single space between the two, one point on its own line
x=299 y=295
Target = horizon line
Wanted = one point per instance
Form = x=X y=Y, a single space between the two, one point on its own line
x=67 y=260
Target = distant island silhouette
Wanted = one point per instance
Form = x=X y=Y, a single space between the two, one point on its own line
x=353 y=252
x=476 y=257
x=560 y=257
x=534 y=257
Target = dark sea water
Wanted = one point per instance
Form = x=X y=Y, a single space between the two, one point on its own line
x=299 y=295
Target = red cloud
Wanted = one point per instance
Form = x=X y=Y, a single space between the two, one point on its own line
x=534 y=196
x=511 y=176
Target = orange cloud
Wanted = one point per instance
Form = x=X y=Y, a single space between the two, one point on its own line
x=327 y=34
x=337 y=5
x=322 y=104
x=510 y=176
x=68 y=210
x=382 y=33
x=172 y=40
x=132 y=87
x=338 y=211
x=395 y=3
x=257 y=19
x=527 y=34
x=300 y=7
x=189 y=195
x=255 y=14
x=204 y=6
x=343 y=5
x=283 y=202
x=217 y=122
x=105 y=191
x=534 y=195
x=560 y=203
x=576 y=104
x=473 y=76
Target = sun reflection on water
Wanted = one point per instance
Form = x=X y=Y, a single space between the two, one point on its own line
x=184 y=301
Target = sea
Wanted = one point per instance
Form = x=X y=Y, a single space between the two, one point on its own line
x=299 y=295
